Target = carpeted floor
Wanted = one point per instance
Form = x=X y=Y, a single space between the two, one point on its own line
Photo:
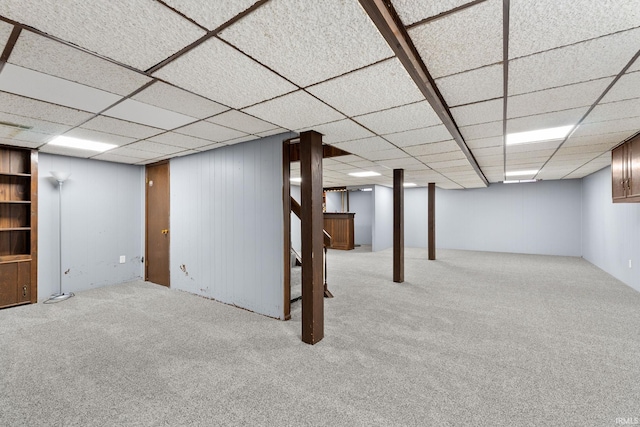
x=473 y=338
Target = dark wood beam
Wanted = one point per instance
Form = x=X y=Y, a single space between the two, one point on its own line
x=311 y=224
x=286 y=209
x=386 y=19
x=398 y=225
x=8 y=48
x=431 y=218
x=328 y=151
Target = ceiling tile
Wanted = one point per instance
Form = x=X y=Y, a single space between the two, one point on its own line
x=35 y=125
x=481 y=131
x=121 y=127
x=534 y=147
x=432 y=148
x=631 y=124
x=546 y=120
x=364 y=146
x=592 y=148
x=377 y=87
x=340 y=131
x=584 y=61
x=276 y=131
x=297 y=110
x=614 y=110
x=27 y=107
x=210 y=131
x=494 y=141
x=211 y=146
x=420 y=136
x=540 y=25
x=139 y=34
x=406 y=163
x=139 y=112
x=472 y=86
x=210 y=67
x=239 y=140
x=116 y=158
x=13 y=134
x=560 y=98
x=132 y=152
x=627 y=87
x=480 y=112
x=411 y=11
x=240 y=121
x=171 y=98
x=471 y=38
x=399 y=119
x=390 y=154
x=306 y=41
x=92 y=135
x=607 y=138
x=487 y=151
x=5 y=32
x=180 y=140
x=448 y=164
x=442 y=157
x=47 y=56
x=210 y=14
x=155 y=147
x=32 y=84
x=17 y=143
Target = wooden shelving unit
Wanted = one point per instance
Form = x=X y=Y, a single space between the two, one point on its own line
x=18 y=226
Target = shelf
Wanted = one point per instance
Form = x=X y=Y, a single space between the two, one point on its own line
x=18 y=202
x=16 y=229
x=24 y=175
x=15 y=258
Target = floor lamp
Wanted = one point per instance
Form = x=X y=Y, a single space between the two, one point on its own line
x=60 y=177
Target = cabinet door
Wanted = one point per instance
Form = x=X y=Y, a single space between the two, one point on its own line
x=23 y=283
x=8 y=280
x=618 y=172
x=634 y=170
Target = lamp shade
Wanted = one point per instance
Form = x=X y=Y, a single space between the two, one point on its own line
x=60 y=176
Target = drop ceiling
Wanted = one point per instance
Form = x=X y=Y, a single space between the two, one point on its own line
x=163 y=79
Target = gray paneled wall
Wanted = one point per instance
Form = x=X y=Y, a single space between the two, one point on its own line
x=102 y=219
x=534 y=218
x=382 y=237
x=610 y=232
x=361 y=203
x=227 y=225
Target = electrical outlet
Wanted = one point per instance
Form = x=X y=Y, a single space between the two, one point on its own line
x=629 y=263
x=123 y=259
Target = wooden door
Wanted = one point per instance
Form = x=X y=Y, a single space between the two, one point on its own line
x=157 y=224
x=634 y=169
x=618 y=172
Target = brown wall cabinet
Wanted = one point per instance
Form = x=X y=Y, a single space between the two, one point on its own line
x=340 y=228
x=625 y=172
x=18 y=226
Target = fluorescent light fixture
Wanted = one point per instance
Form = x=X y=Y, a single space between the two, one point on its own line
x=521 y=173
x=364 y=174
x=540 y=135
x=81 y=144
x=518 y=181
x=410 y=184
x=295 y=179
x=366 y=189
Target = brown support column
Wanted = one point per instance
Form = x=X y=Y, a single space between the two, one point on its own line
x=312 y=236
x=432 y=220
x=398 y=225
x=286 y=209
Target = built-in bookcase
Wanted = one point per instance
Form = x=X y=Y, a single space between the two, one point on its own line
x=18 y=226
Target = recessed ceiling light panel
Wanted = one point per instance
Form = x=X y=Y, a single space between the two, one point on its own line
x=81 y=144
x=364 y=174
x=539 y=135
x=521 y=173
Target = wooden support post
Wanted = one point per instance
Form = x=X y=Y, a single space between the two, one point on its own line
x=312 y=236
x=398 y=225
x=286 y=208
x=432 y=220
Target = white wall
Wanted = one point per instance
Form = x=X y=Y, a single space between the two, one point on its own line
x=415 y=217
x=102 y=218
x=296 y=230
x=361 y=203
x=227 y=225
x=334 y=201
x=611 y=232
x=382 y=237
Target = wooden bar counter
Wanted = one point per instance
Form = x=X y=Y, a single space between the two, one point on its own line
x=340 y=227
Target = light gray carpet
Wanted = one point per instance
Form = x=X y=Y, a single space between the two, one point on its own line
x=470 y=339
